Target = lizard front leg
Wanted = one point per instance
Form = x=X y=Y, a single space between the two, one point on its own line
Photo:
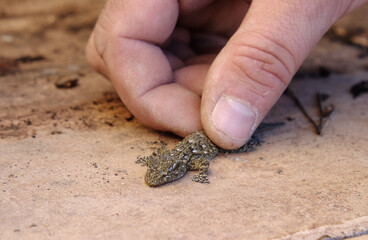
x=201 y=164
x=143 y=160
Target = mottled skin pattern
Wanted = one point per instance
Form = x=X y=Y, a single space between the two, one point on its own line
x=193 y=153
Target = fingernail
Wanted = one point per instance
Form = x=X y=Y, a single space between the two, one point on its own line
x=234 y=118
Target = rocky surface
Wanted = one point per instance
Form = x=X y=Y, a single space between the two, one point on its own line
x=67 y=155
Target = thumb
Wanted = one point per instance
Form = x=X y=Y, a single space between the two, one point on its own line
x=257 y=64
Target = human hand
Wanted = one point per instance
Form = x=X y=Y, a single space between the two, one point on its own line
x=145 y=48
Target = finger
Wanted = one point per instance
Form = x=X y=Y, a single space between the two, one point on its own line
x=207 y=43
x=180 y=49
x=181 y=35
x=220 y=17
x=187 y=6
x=192 y=77
x=257 y=64
x=201 y=59
x=138 y=68
x=94 y=59
x=174 y=61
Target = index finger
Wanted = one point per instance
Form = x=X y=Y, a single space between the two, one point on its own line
x=126 y=37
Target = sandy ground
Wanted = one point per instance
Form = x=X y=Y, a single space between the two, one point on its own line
x=67 y=156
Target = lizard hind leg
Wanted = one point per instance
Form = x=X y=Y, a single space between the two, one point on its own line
x=202 y=165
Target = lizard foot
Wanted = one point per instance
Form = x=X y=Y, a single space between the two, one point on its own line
x=200 y=178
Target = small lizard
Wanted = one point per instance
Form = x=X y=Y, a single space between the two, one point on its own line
x=193 y=153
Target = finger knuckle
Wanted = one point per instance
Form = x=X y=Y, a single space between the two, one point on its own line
x=264 y=68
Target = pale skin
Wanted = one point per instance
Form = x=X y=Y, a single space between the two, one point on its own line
x=146 y=49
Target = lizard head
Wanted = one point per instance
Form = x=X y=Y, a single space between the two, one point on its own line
x=164 y=168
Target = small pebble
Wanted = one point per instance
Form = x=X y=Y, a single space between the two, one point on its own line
x=5 y=38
